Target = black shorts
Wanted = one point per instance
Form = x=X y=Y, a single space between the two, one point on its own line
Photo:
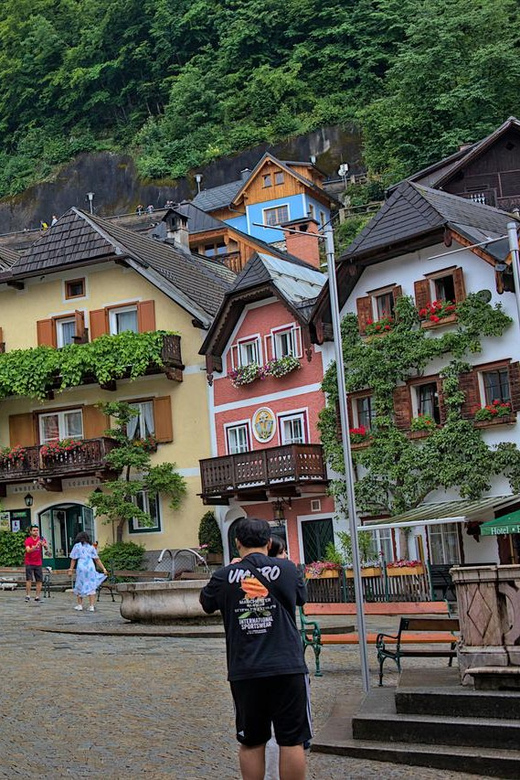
x=282 y=701
x=33 y=573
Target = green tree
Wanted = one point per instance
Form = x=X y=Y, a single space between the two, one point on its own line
x=131 y=460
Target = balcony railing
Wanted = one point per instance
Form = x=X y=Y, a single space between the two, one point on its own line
x=88 y=458
x=255 y=472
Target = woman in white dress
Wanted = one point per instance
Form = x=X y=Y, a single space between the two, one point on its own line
x=88 y=579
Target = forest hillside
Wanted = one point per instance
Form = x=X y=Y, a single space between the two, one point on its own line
x=179 y=83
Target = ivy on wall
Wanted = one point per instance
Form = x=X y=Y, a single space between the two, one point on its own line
x=394 y=473
x=35 y=372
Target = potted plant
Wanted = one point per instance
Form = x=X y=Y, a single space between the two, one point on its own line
x=423 y=422
x=279 y=367
x=378 y=327
x=435 y=311
x=54 y=449
x=244 y=375
x=404 y=567
x=322 y=570
x=359 y=435
x=494 y=411
x=210 y=539
x=13 y=456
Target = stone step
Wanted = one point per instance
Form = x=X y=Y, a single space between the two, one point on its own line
x=378 y=720
x=438 y=692
x=336 y=737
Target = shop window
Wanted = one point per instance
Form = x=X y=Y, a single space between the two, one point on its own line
x=149 y=503
x=237 y=437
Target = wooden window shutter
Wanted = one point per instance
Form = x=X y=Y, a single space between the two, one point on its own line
x=422 y=293
x=146 y=316
x=95 y=423
x=402 y=407
x=514 y=385
x=364 y=312
x=22 y=430
x=397 y=292
x=80 y=330
x=46 y=330
x=162 y=414
x=468 y=383
x=98 y=323
x=458 y=283
x=297 y=335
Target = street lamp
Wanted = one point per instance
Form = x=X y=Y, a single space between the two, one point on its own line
x=198 y=179
x=90 y=196
x=29 y=500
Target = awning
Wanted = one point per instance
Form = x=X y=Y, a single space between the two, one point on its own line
x=459 y=511
x=508 y=524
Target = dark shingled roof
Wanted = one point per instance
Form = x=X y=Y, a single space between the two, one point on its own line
x=412 y=210
x=80 y=239
x=198 y=220
x=217 y=197
x=8 y=257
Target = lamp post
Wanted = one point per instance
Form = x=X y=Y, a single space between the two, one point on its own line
x=90 y=196
x=513 y=248
x=347 y=455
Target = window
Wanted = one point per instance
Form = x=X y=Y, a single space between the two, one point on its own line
x=384 y=305
x=61 y=425
x=284 y=343
x=496 y=385
x=381 y=543
x=444 y=287
x=365 y=411
x=210 y=250
x=65 y=331
x=249 y=352
x=237 y=439
x=444 y=543
x=276 y=215
x=293 y=429
x=267 y=180
x=427 y=398
x=278 y=177
x=123 y=319
x=143 y=424
x=75 y=288
x=323 y=218
x=312 y=211
x=149 y=503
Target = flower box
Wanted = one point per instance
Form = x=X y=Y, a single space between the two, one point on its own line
x=326 y=574
x=369 y=571
x=400 y=571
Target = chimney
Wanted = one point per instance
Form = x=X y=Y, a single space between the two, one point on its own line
x=301 y=240
x=177 y=232
x=244 y=173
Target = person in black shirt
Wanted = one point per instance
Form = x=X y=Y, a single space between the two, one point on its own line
x=257 y=597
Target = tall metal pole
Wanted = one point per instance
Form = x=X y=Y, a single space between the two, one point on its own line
x=347 y=457
x=513 y=248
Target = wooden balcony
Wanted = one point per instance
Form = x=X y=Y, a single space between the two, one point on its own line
x=88 y=459
x=289 y=470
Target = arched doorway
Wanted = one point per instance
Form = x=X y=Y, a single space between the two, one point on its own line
x=233 y=552
x=60 y=524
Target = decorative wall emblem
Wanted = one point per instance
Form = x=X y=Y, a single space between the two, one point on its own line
x=264 y=424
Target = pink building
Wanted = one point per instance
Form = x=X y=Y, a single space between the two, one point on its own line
x=265 y=397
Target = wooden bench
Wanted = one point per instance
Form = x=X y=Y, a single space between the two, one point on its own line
x=135 y=575
x=313 y=636
x=391 y=646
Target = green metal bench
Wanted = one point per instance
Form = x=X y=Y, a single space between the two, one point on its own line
x=310 y=633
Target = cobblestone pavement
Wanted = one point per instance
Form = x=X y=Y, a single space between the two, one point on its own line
x=99 y=706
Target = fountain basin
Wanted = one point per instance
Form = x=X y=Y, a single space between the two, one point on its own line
x=162 y=602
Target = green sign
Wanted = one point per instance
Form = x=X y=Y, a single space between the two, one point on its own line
x=508 y=524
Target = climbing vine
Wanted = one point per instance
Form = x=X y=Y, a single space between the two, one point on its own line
x=35 y=372
x=395 y=473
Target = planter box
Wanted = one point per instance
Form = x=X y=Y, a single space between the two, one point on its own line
x=371 y=571
x=215 y=558
x=328 y=574
x=450 y=319
x=399 y=571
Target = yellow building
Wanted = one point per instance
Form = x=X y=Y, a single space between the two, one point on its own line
x=84 y=278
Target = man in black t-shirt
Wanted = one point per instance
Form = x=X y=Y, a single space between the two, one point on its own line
x=257 y=598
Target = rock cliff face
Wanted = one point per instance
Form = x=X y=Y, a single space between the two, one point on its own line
x=118 y=189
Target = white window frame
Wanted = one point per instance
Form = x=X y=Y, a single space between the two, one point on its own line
x=355 y=410
x=60 y=321
x=141 y=417
x=136 y=529
x=441 y=530
x=237 y=357
x=434 y=278
x=275 y=208
x=378 y=543
x=61 y=424
x=112 y=315
x=244 y=424
x=302 y=416
x=379 y=294
x=311 y=211
x=415 y=394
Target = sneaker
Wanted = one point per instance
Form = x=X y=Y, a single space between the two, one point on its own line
x=78 y=607
x=27 y=598
x=91 y=609
x=37 y=599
